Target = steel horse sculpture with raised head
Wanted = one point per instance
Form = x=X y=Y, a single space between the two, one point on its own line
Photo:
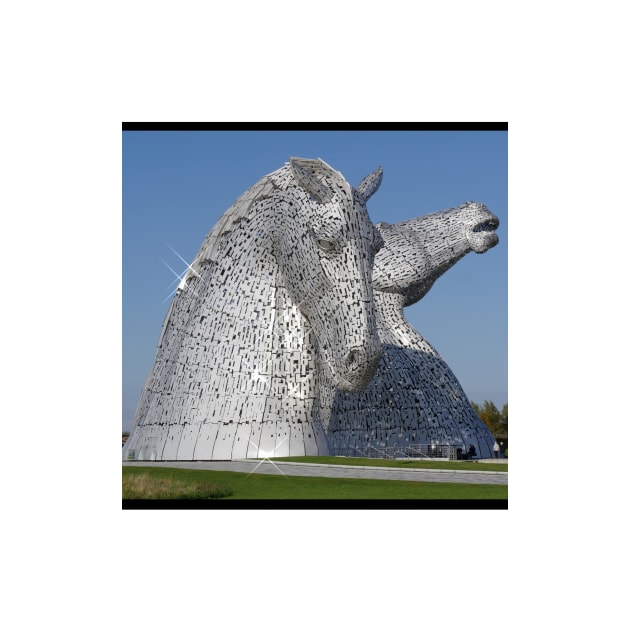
x=414 y=399
x=279 y=291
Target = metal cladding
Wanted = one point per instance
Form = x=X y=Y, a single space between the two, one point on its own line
x=279 y=290
x=287 y=336
x=414 y=398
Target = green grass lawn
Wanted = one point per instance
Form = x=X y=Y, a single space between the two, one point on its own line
x=176 y=483
x=398 y=463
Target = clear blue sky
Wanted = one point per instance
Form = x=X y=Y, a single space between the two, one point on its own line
x=176 y=184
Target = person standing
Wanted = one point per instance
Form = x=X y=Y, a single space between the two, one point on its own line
x=495 y=448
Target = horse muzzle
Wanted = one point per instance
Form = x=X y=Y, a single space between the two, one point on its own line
x=358 y=367
x=482 y=236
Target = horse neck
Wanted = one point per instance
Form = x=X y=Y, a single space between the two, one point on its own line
x=260 y=325
x=294 y=354
x=393 y=328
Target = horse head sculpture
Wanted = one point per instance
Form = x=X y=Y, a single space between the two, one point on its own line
x=325 y=245
x=419 y=251
x=414 y=399
x=279 y=292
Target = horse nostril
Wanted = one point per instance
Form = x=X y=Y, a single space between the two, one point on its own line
x=351 y=358
x=358 y=367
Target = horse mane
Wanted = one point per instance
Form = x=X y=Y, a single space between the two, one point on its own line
x=238 y=211
x=314 y=175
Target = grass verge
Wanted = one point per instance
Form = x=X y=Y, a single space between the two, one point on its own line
x=144 y=485
x=256 y=486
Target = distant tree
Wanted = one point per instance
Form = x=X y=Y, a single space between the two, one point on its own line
x=494 y=419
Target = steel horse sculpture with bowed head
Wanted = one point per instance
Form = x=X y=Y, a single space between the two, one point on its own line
x=414 y=398
x=280 y=291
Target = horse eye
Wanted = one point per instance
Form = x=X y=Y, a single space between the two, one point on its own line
x=324 y=245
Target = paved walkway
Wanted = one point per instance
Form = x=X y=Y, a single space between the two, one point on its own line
x=297 y=469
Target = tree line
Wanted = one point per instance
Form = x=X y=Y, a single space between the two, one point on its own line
x=495 y=420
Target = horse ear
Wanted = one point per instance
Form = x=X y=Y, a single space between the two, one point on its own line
x=369 y=185
x=309 y=181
